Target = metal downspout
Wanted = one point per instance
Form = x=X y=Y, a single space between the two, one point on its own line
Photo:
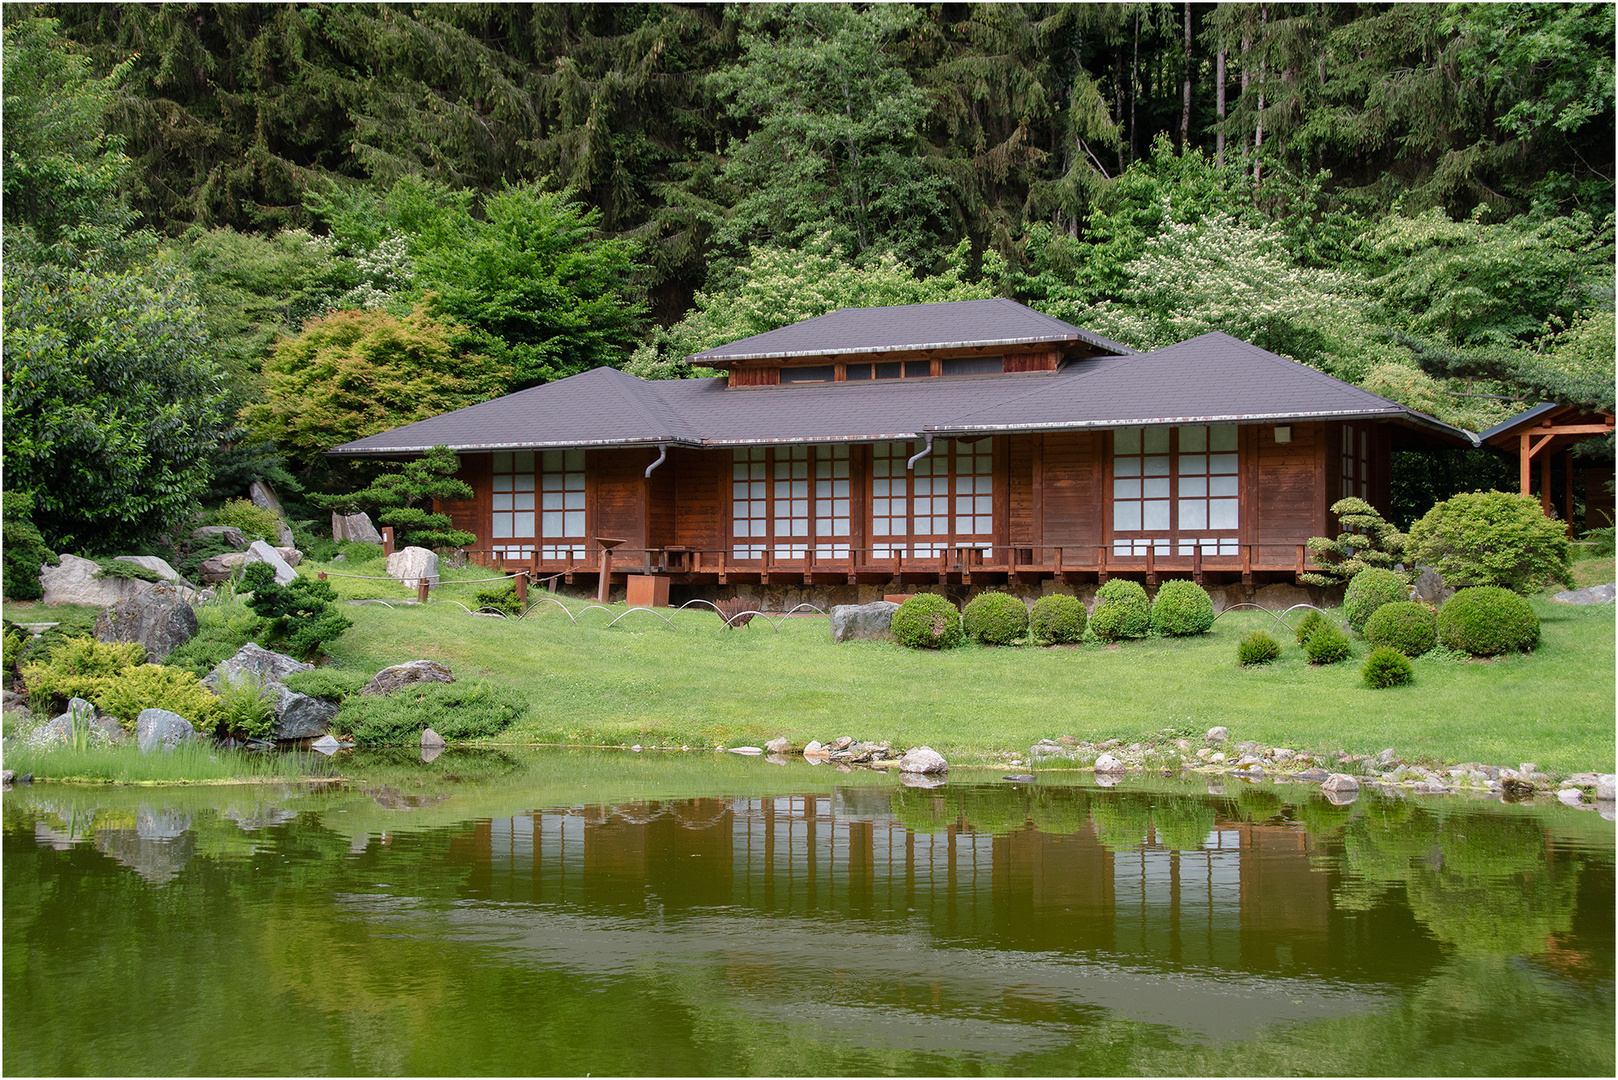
x=911 y=464
x=662 y=456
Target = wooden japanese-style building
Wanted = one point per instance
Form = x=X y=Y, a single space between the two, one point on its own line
x=970 y=443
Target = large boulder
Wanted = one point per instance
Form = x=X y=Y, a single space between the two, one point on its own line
x=924 y=760
x=159 y=618
x=354 y=527
x=160 y=729
x=1593 y=594
x=262 y=494
x=229 y=533
x=75 y=582
x=290 y=555
x=863 y=622
x=297 y=716
x=151 y=562
x=259 y=551
x=399 y=676
x=411 y=564
x=255 y=660
x=221 y=567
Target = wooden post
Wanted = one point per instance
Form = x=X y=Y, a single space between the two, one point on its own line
x=1523 y=459
x=421 y=591
x=1151 y=564
x=1101 y=564
x=387 y=538
x=1567 y=489
x=1545 y=484
x=522 y=588
x=606 y=576
x=1300 y=562
x=1196 y=564
x=1247 y=564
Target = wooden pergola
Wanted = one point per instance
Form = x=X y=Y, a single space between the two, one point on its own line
x=1541 y=432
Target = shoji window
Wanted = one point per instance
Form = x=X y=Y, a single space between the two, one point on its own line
x=791 y=493
x=831 y=502
x=561 y=502
x=749 y=508
x=1175 y=490
x=789 y=500
x=512 y=525
x=947 y=500
x=1356 y=464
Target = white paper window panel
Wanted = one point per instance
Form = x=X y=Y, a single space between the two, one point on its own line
x=795 y=527
x=831 y=526
x=1193 y=487
x=520 y=461
x=826 y=489
x=1126 y=516
x=501 y=503
x=502 y=526
x=887 y=551
x=1155 y=515
x=791 y=470
x=984 y=464
x=750 y=453
x=969 y=525
x=880 y=487
x=831 y=551
x=1125 y=489
x=1126 y=441
x=881 y=467
x=966 y=485
x=1126 y=466
x=555 y=552
x=1140 y=547
x=827 y=470
x=502 y=483
x=791 y=489
x=1155 y=466
x=1193 y=465
x=831 y=508
x=514 y=551
x=1224 y=486
x=790 y=551
x=978 y=504
x=1210 y=545
x=927 y=551
x=1222 y=513
x=1155 y=488
x=562 y=460
x=1193 y=513
x=879 y=527
x=747 y=551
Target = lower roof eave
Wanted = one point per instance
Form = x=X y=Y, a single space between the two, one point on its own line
x=482 y=448
x=1406 y=416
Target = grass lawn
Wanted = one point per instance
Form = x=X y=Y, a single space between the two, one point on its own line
x=697 y=685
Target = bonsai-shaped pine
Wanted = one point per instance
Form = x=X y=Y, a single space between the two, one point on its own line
x=1366 y=540
x=402 y=499
x=300 y=616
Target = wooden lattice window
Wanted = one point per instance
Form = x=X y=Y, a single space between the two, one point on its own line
x=913 y=512
x=512 y=522
x=1176 y=490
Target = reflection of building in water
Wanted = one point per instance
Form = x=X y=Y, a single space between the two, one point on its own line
x=1249 y=896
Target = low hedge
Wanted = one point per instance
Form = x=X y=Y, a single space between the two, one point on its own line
x=1182 y=608
x=1368 y=590
x=457 y=710
x=1122 y=611
x=995 y=618
x=1058 y=619
x=1405 y=625
x=1487 y=620
x=927 y=621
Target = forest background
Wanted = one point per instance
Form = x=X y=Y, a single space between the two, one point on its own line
x=237 y=235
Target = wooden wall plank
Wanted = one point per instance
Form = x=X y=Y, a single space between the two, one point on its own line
x=471 y=515
x=1072 y=493
x=1290 y=501
x=1020 y=451
x=620 y=503
x=702 y=520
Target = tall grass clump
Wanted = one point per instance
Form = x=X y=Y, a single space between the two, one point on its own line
x=194 y=761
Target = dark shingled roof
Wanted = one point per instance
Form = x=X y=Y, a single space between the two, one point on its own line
x=952 y=325
x=1214 y=378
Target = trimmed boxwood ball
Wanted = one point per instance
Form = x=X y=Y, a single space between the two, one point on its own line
x=1312 y=620
x=1327 y=645
x=1385 y=667
x=995 y=618
x=1369 y=590
x=1257 y=648
x=1405 y=625
x=1122 y=611
x=1487 y=620
x=1182 y=608
x=1058 y=619
x=927 y=621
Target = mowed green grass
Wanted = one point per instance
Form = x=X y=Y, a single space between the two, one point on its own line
x=695 y=684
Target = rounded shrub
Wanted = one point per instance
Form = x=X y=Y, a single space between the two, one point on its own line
x=1327 y=645
x=1405 y=625
x=1257 y=648
x=254 y=521
x=1182 y=608
x=1492 y=538
x=1369 y=590
x=927 y=621
x=1487 y=620
x=1122 y=611
x=1058 y=619
x=1312 y=620
x=995 y=618
x=1385 y=667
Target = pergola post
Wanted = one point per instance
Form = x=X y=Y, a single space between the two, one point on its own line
x=1524 y=457
x=1545 y=484
x=1567 y=489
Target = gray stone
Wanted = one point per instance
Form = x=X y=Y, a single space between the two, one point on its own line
x=258 y=551
x=290 y=555
x=263 y=495
x=161 y=729
x=815 y=750
x=842 y=742
x=923 y=759
x=1312 y=775
x=1605 y=785
x=75 y=582
x=284 y=537
x=393 y=678
x=151 y=562
x=430 y=737
x=229 y=533
x=1281 y=596
x=1429 y=587
x=1106 y=763
x=922 y=780
x=409 y=565
x=222 y=567
x=355 y=528
x=748 y=751
x=1385 y=758
x=778 y=746
x=252 y=659
x=1429 y=787
x=1217 y=735
x=1021 y=778
x=326 y=745
x=1571 y=796
x=159 y=618
x=863 y=622
x=1340 y=782
x=1594 y=594
x=299 y=716
x=107 y=731
x=55 y=732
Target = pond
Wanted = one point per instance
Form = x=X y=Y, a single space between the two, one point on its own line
x=575 y=912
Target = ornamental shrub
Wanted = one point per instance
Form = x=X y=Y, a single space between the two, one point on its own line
x=1122 y=611
x=458 y=710
x=150 y=686
x=330 y=683
x=246 y=705
x=1182 y=608
x=1370 y=589
x=1057 y=619
x=77 y=667
x=1312 y=620
x=1257 y=648
x=1492 y=538
x=927 y=621
x=1405 y=625
x=1327 y=645
x=1385 y=667
x=301 y=616
x=254 y=521
x=995 y=618
x=23 y=548
x=501 y=598
x=1487 y=620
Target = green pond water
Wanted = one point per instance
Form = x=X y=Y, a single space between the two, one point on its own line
x=573 y=913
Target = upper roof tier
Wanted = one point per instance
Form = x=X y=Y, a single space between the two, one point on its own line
x=1211 y=379
x=957 y=324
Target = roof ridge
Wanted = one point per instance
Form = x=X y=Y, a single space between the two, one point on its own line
x=630 y=392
